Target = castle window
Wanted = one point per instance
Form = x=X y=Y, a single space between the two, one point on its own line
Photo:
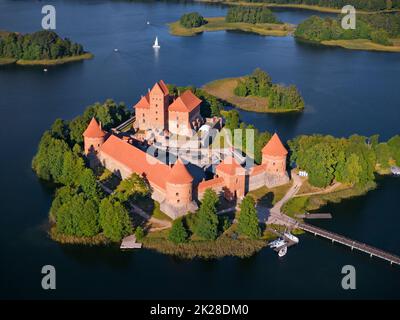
x=178 y=201
x=156 y=119
x=144 y=121
x=273 y=163
x=177 y=194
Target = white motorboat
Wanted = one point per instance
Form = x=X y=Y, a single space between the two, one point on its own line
x=291 y=237
x=156 y=45
x=148 y=22
x=282 y=252
x=45 y=70
x=115 y=50
x=277 y=243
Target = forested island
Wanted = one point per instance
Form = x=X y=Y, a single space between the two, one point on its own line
x=83 y=213
x=319 y=5
x=248 y=19
x=39 y=48
x=379 y=32
x=257 y=93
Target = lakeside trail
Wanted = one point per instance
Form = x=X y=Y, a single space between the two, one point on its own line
x=324 y=191
x=274 y=215
x=161 y=224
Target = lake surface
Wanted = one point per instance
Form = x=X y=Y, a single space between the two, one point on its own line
x=345 y=91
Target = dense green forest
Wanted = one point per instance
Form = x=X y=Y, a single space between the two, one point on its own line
x=259 y=84
x=370 y=5
x=378 y=28
x=250 y=15
x=192 y=20
x=353 y=160
x=37 y=46
x=80 y=208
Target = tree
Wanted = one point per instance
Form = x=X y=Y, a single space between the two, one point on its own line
x=139 y=233
x=248 y=221
x=178 y=233
x=207 y=219
x=132 y=188
x=192 y=20
x=89 y=185
x=114 y=220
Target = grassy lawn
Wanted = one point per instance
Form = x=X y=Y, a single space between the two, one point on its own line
x=269 y=196
x=362 y=44
x=219 y=24
x=50 y=62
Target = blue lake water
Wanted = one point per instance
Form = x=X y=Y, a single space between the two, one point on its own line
x=345 y=91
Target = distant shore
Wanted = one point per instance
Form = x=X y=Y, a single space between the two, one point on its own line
x=219 y=24
x=293 y=6
x=46 y=62
x=363 y=44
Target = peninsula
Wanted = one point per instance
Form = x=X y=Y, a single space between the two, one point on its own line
x=247 y=19
x=256 y=93
x=39 y=48
x=375 y=32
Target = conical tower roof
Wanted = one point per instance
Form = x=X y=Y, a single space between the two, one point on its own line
x=94 y=130
x=179 y=174
x=275 y=147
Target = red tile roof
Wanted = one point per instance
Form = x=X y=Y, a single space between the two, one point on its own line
x=230 y=166
x=144 y=102
x=186 y=102
x=274 y=147
x=160 y=86
x=216 y=182
x=94 y=130
x=257 y=170
x=179 y=174
x=136 y=160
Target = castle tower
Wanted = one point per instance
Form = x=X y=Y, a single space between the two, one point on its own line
x=159 y=102
x=274 y=157
x=179 y=187
x=93 y=137
x=234 y=178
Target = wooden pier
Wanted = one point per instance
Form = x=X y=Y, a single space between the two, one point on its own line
x=334 y=237
x=314 y=216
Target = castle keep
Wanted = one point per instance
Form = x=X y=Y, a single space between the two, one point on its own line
x=173 y=186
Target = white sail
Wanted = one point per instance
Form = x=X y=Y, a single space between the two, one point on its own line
x=156 y=45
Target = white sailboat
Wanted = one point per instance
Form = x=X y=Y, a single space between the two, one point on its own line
x=156 y=45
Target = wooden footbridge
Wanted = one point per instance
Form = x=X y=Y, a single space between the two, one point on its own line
x=334 y=237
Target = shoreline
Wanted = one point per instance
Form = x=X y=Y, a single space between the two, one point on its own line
x=219 y=24
x=293 y=6
x=46 y=62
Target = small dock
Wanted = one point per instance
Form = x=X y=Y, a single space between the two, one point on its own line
x=289 y=243
x=314 y=216
x=129 y=242
x=395 y=170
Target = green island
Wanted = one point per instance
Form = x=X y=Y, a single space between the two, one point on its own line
x=39 y=48
x=93 y=206
x=377 y=32
x=333 y=6
x=248 y=19
x=256 y=93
